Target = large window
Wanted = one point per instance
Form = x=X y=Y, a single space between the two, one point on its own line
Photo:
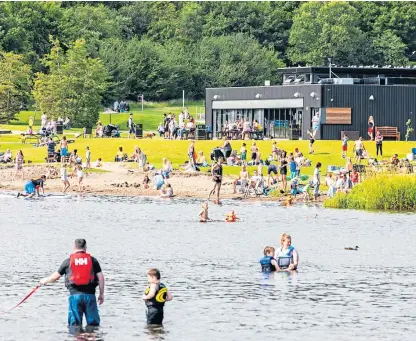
x=226 y=116
x=279 y=121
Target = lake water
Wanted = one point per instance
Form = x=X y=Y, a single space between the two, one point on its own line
x=212 y=270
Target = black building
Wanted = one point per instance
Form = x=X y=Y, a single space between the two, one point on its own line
x=345 y=97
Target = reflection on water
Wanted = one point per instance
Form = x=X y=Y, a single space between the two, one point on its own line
x=211 y=269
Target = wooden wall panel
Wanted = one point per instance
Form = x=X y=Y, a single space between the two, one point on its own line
x=338 y=116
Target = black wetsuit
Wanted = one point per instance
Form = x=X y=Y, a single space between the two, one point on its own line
x=154 y=313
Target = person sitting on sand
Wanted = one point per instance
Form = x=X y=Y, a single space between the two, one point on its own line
x=188 y=168
x=166 y=168
x=203 y=215
x=146 y=182
x=242 y=179
x=231 y=217
x=99 y=163
x=394 y=160
x=134 y=156
x=167 y=191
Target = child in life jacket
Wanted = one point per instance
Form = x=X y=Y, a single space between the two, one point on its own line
x=203 y=215
x=268 y=263
x=155 y=297
x=231 y=217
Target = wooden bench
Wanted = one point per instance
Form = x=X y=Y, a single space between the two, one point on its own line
x=30 y=136
x=389 y=132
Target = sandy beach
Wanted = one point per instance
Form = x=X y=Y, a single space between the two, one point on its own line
x=120 y=180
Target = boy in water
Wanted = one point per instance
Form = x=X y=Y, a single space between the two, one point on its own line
x=155 y=297
x=268 y=263
x=203 y=215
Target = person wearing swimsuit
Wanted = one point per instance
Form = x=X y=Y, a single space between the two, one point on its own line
x=217 y=179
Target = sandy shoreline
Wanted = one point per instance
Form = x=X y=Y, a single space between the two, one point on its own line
x=121 y=181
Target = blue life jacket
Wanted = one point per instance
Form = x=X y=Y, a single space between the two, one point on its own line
x=266 y=264
x=284 y=258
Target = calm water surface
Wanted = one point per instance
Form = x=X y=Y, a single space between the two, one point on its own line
x=212 y=270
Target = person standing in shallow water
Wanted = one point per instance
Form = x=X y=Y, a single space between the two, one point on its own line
x=216 y=178
x=82 y=275
x=155 y=297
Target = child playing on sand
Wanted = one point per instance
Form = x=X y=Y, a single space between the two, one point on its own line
x=80 y=176
x=166 y=191
x=145 y=182
x=155 y=297
x=98 y=163
x=64 y=177
x=203 y=215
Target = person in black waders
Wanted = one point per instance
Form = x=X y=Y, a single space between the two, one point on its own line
x=82 y=275
x=216 y=172
x=155 y=297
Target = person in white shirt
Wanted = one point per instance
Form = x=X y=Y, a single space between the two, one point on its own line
x=316 y=180
x=131 y=125
x=181 y=118
x=44 y=120
x=359 y=149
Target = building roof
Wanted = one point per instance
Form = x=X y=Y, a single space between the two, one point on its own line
x=368 y=70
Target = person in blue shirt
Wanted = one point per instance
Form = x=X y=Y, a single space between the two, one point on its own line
x=292 y=167
x=268 y=263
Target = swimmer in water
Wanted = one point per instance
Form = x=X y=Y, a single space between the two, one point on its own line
x=203 y=215
x=32 y=187
x=231 y=217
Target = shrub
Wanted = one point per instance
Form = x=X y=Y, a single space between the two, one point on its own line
x=379 y=192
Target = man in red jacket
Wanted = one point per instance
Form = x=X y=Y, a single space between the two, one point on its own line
x=82 y=275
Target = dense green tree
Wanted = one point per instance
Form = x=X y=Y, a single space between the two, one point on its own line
x=93 y=24
x=236 y=60
x=325 y=30
x=15 y=82
x=74 y=85
x=25 y=28
x=160 y=48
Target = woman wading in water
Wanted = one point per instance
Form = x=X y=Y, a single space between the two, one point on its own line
x=217 y=178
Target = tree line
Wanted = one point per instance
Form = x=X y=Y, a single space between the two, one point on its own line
x=72 y=57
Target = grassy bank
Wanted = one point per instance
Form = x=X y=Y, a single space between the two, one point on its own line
x=326 y=152
x=150 y=117
x=379 y=192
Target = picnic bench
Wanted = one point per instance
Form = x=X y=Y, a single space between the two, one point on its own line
x=389 y=132
x=30 y=137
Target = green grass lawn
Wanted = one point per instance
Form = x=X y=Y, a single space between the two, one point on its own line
x=150 y=117
x=326 y=152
